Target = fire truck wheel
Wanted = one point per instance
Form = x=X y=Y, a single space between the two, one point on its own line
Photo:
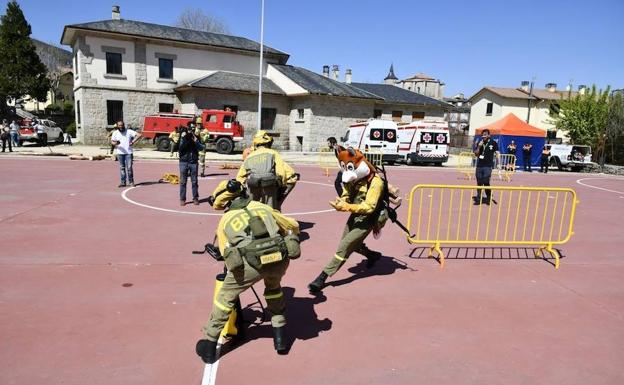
x=163 y=144
x=224 y=145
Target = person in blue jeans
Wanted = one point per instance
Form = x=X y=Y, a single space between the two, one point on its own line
x=485 y=152
x=123 y=139
x=189 y=147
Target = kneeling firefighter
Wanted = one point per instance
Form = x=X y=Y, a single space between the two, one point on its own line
x=268 y=178
x=363 y=197
x=256 y=243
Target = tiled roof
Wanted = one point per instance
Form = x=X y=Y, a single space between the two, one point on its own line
x=394 y=94
x=321 y=85
x=518 y=93
x=557 y=95
x=157 y=31
x=513 y=93
x=233 y=81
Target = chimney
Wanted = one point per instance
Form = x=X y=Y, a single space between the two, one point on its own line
x=348 y=76
x=335 y=71
x=116 y=13
x=551 y=87
x=524 y=85
x=326 y=71
x=582 y=89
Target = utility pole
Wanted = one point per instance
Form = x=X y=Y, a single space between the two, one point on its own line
x=530 y=97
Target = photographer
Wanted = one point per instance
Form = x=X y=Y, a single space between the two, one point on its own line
x=190 y=146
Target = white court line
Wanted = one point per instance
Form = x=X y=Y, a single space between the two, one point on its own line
x=125 y=197
x=579 y=181
x=210 y=370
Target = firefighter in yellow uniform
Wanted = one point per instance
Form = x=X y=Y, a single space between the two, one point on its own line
x=174 y=138
x=256 y=243
x=268 y=178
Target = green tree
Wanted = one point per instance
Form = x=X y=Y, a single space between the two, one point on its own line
x=21 y=71
x=614 y=152
x=584 y=119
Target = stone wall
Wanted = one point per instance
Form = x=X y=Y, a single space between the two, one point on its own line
x=332 y=116
x=94 y=127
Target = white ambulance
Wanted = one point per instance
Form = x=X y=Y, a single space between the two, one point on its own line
x=424 y=141
x=374 y=135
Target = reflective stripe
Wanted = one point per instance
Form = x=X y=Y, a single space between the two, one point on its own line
x=338 y=257
x=273 y=296
x=222 y=306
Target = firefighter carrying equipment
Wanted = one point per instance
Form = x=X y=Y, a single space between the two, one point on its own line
x=263 y=249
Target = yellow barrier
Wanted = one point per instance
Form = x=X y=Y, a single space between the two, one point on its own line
x=327 y=160
x=506 y=166
x=466 y=163
x=375 y=157
x=444 y=214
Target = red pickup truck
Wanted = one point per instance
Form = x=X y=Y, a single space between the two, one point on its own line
x=223 y=128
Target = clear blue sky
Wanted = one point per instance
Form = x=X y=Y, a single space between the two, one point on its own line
x=467 y=44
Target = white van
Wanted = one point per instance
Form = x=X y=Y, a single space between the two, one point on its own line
x=424 y=141
x=374 y=134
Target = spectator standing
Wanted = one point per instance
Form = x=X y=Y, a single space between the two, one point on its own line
x=174 y=138
x=485 y=152
x=526 y=156
x=5 y=135
x=190 y=146
x=15 y=133
x=42 y=135
x=545 y=158
x=123 y=139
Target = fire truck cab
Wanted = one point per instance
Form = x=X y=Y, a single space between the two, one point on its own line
x=223 y=128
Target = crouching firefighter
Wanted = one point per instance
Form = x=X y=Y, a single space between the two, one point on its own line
x=362 y=196
x=267 y=176
x=256 y=243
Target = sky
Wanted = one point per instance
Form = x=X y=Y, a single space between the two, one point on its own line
x=466 y=44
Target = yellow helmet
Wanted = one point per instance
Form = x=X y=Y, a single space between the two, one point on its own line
x=262 y=138
x=225 y=192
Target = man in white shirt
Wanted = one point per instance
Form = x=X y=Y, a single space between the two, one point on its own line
x=15 y=133
x=42 y=135
x=123 y=139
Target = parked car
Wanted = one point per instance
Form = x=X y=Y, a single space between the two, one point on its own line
x=570 y=156
x=27 y=132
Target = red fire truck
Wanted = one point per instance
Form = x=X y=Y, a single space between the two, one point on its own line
x=223 y=128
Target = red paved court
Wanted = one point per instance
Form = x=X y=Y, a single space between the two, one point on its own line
x=99 y=290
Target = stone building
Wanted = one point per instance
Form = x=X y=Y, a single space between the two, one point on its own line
x=127 y=69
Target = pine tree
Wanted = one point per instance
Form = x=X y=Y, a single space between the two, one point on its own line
x=21 y=70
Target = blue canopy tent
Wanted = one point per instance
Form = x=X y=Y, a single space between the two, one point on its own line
x=511 y=128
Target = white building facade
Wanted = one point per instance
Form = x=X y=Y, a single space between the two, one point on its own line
x=125 y=70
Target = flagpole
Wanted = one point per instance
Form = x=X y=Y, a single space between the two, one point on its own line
x=260 y=66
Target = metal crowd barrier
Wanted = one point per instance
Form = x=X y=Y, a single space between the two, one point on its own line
x=466 y=163
x=506 y=166
x=375 y=157
x=528 y=216
x=327 y=160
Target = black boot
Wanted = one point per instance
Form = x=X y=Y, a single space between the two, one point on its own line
x=279 y=340
x=207 y=350
x=372 y=256
x=317 y=285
